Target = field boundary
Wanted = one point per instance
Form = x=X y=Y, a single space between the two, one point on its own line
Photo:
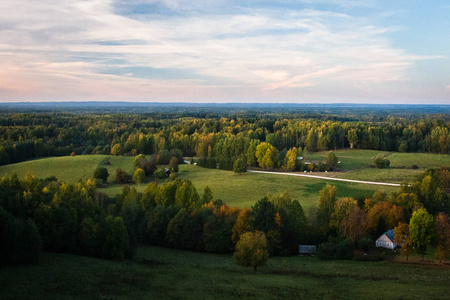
x=326 y=178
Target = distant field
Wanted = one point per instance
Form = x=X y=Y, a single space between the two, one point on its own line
x=68 y=168
x=350 y=159
x=244 y=190
x=159 y=273
x=356 y=164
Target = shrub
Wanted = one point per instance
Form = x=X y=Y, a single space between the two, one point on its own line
x=335 y=249
x=381 y=162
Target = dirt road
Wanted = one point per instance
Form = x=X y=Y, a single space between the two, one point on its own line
x=326 y=178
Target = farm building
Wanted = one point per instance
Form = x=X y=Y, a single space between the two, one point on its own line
x=307 y=249
x=386 y=240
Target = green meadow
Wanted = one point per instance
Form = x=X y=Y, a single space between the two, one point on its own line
x=356 y=165
x=159 y=273
x=245 y=189
x=235 y=190
x=70 y=168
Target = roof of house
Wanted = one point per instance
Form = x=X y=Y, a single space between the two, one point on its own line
x=390 y=234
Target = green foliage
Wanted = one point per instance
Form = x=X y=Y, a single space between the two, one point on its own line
x=164 y=157
x=137 y=161
x=138 y=176
x=291 y=221
x=186 y=195
x=175 y=229
x=115 y=244
x=331 y=160
x=116 y=149
x=381 y=162
x=207 y=195
x=421 y=229
x=251 y=250
x=267 y=156
x=291 y=162
x=173 y=164
x=263 y=215
x=327 y=199
x=239 y=166
x=335 y=249
x=207 y=162
x=102 y=174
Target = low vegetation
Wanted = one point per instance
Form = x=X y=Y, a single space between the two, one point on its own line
x=167 y=274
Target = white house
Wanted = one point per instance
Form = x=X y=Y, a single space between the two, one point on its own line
x=386 y=240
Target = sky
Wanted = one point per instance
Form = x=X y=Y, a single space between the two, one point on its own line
x=254 y=51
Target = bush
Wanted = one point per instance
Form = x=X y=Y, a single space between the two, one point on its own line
x=335 y=249
x=101 y=174
x=160 y=174
x=121 y=176
x=381 y=162
x=240 y=166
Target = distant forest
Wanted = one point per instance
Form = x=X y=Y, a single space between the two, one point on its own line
x=219 y=131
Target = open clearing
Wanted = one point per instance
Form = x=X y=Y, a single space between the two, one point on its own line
x=171 y=274
x=244 y=190
x=356 y=165
x=70 y=168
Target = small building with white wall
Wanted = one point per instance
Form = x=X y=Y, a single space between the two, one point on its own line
x=386 y=240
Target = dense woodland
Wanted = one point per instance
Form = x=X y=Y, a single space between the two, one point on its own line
x=51 y=215
x=36 y=213
x=223 y=137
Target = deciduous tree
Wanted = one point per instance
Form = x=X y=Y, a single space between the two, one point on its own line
x=251 y=250
x=239 y=166
x=403 y=239
x=421 y=229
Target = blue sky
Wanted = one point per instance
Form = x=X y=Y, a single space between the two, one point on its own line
x=325 y=51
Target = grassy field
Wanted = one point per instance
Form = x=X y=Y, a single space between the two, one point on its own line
x=245 y=189
x=356 y=165
x=70 y=169
x=159 y=273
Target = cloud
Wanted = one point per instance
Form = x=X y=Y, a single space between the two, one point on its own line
x=78 y=49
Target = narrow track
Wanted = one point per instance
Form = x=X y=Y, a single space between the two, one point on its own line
x=326 y=178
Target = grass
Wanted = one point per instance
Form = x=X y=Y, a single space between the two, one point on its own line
x=171 y=274
x=356 y=164
x=235 y=190
x=245 y=189
x=69 y=168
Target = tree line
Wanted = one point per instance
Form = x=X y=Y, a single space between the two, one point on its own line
x=223 y=137
x=46 y=214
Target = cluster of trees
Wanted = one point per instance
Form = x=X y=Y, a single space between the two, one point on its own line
x=45 y=214
x=143 y=168
x=222 y=137
x=52 y=215
x=418 y=212
x=173 y=214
